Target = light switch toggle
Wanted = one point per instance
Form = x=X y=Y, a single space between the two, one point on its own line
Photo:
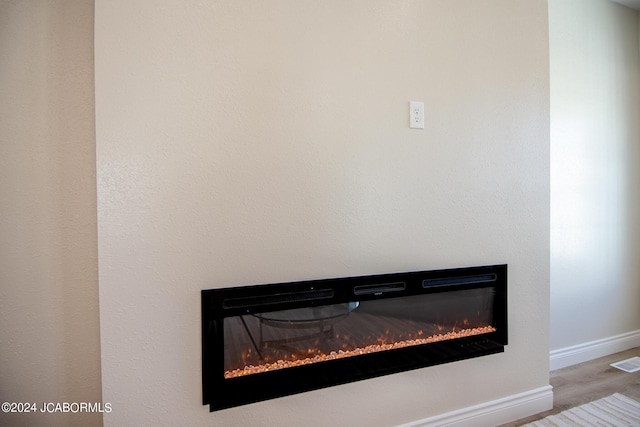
x=416 y=115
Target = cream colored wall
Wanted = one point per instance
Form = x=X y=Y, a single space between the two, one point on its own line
x=251 y=142
x=49 y=331
x=595 y=185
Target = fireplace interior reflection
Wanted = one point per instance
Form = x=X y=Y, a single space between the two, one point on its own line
x=266 y=341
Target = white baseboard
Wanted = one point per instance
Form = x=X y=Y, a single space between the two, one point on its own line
x=493 y=413
x=573 y=355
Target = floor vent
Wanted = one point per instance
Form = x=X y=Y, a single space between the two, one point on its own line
x=628 y=365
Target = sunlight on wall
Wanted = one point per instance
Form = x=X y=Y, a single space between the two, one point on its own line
x=594 y=154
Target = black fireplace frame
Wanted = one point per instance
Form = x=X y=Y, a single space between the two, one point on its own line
x=217 y=304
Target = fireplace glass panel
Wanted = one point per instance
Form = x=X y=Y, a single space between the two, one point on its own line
x=260 y=342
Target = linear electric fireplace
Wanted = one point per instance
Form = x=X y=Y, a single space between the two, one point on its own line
x=265 y=341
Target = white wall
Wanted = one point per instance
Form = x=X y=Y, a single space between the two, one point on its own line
x=252 y=142
x=49 y=331
x=595 y=153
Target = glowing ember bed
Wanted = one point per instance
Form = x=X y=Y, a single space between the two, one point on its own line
x=266 y=341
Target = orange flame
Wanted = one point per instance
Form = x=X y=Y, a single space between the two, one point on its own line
x=374 y=348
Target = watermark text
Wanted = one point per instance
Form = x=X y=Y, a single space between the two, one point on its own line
x=56 y=407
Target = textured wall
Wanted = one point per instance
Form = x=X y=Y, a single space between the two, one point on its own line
x=250 y=142
x=595 y=153
x=49 y=333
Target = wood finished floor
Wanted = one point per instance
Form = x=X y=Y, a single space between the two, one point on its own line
x=589 y=381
